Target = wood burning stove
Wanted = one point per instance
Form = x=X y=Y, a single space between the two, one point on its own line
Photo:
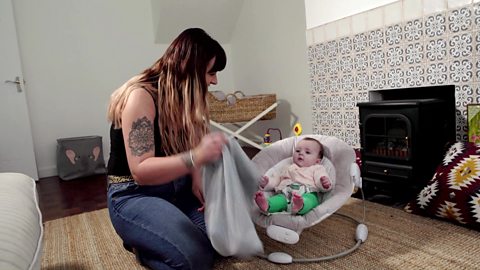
x=403 y=135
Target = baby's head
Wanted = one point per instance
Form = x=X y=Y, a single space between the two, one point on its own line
x=308 y=152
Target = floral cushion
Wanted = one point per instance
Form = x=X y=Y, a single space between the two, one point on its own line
x=454 y=191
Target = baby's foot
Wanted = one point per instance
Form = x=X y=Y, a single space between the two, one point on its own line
x=297 y=203
x=325 y=182
x=261 y=201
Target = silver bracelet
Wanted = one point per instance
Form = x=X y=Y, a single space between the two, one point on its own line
x=187 y=158
x=192 y=160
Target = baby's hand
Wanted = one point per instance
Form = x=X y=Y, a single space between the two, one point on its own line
x=325 y=182
x=263 y=182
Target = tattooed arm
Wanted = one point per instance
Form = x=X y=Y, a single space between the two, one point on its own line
x=138 y=124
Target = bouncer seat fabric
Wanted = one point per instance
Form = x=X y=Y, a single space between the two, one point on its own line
x=338 y=159
x=21 y=227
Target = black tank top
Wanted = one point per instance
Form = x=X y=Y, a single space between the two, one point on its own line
x=117 y=163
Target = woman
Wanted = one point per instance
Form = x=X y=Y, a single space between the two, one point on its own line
x=159 y=141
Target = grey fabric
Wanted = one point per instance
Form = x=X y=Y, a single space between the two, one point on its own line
x=229 y=186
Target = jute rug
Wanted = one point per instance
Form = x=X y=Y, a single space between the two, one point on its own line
x=396 y=240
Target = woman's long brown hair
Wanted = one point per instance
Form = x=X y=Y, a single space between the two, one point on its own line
x=178 y=81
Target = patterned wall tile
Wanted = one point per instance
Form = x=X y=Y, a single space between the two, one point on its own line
x=476 y=41
x=437 y=49
x=361 y=96
x=435 y=25
x=345 y=46
x=334 y=84
x=377 y=59
x=461 y=126
x=436 y=73
x=331 y=48
x=377 y=80
x=476 y=15
x=353 y=137
x=413 y=30
x=348 y=101
x=360 y=42
x=360 y=62
x=362 y=81
x=476 y=94
x=394 y=56
x=347 y=83
x=376 y=39
x=461 y=71
x=346 y=64
x=336 y=119
x=350 y=119
x=415 y=76
x=477 y=70
x=460 y=45
x=395 y=78
x=459 y=19
x=463 y=95
x=393 y=34
x=414 y=53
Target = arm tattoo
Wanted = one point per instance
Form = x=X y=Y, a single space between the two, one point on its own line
x=140 y=138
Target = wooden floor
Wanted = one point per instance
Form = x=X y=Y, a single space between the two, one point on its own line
x=58 y=198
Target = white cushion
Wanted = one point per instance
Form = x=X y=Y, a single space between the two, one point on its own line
x=21 y=229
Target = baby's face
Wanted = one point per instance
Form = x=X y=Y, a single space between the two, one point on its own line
x=306 y=153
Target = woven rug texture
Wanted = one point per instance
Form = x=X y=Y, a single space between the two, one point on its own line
x=396 y=240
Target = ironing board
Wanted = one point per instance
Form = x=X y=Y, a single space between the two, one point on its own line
x=236 y=133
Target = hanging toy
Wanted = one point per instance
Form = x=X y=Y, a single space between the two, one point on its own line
x=267 y=138
x=297 y=129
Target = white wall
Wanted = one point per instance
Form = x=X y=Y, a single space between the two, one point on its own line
x=269 y=52
x=74 y=54
x=320 y=12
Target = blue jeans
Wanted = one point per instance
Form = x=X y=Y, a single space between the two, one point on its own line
x=162 y=223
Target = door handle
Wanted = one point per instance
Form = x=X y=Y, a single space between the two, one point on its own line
x=17 y=82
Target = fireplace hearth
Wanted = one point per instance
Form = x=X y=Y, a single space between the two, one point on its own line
x=403 y=135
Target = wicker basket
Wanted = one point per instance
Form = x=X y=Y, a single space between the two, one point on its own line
x=243 y=109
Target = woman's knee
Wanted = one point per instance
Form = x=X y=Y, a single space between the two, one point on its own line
x=174 y=241
x=201 y=257
x=197 y=252
x=155 y=263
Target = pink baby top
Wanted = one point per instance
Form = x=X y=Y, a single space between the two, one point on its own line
x=309 y=176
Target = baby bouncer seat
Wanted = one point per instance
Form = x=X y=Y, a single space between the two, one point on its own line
x=339 y=161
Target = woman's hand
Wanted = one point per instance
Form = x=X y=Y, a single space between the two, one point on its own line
x=197 y=189
x=210 y=148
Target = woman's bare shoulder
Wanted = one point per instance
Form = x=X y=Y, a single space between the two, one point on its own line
x=140 y=102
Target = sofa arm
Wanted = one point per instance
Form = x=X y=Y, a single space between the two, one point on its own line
x=21 y=229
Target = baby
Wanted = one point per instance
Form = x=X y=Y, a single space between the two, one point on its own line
x=299 y=183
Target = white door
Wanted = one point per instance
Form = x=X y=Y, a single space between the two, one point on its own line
x=16 y=143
